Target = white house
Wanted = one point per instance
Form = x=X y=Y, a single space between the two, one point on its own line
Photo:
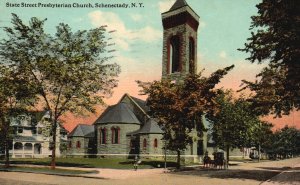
x=32 y=136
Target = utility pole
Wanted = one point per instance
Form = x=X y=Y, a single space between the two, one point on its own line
x=259 y=141
x=165 y=154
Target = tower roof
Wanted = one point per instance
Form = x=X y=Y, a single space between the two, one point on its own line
x=177 y=10
x=178 y=4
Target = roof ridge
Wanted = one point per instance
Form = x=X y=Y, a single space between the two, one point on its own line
x=178 y=4
x=139 y=106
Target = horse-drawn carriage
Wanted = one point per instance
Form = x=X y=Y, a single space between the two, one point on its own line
x=218 y=161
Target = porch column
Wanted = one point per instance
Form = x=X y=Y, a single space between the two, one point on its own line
x=32 y=149
x=13 y=149
x=23 y=147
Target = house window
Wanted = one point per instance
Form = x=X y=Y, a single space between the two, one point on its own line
x=40 y=130
x=78 y=144
x=102 y=136
x=70 y=144
x=155 y=143
x=115 y=135
x=15 y=130
x=20 y=130
x=174 y=55
x=144 y=143
x=33 y=130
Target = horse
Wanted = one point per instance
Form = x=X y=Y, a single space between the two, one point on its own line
x=207 y=162
x=220 y=163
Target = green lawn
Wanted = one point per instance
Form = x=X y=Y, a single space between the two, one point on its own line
x=93 y=162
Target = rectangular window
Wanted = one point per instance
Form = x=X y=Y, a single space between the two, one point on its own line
x=78 y=144
x=40 y=131
x=20 y=130
x=33 y=131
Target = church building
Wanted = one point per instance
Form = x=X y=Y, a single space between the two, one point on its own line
x=126 y=129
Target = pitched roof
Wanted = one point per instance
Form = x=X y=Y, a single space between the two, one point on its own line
x=82 y=130
x=119 y=113
x=178 y=4
x=150 y=127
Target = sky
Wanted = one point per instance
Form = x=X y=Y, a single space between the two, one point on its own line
x=136 y=35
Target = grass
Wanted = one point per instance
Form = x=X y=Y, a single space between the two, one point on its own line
x=47 y=170
x=94 y=162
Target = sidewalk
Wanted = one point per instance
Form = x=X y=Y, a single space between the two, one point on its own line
x=287 y=177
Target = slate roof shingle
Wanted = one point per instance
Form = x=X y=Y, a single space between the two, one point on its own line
x=82 y=130
x=150 y=127
x=119 y=113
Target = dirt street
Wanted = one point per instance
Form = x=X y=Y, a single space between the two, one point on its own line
x=266 y=173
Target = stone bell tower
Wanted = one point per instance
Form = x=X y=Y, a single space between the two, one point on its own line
x=180 y=26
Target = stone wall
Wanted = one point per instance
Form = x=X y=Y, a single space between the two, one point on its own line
x=84 y=146
x=109 y=148
x=160 y=144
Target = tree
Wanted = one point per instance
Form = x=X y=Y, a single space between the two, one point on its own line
x=262 y=137
x=70 y=71
x=233 y=123
x=15 y=96
x=286 y=142
x=275 y=39
x=179 y=107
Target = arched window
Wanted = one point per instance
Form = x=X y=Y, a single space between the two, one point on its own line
x=144 y=143
x=191 y=56
x=102 y=135
x=115 y=135
x=78 y=144
x=174 y=55
x=155 y=143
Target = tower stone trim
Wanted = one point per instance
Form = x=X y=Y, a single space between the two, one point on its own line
x=180 y=19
